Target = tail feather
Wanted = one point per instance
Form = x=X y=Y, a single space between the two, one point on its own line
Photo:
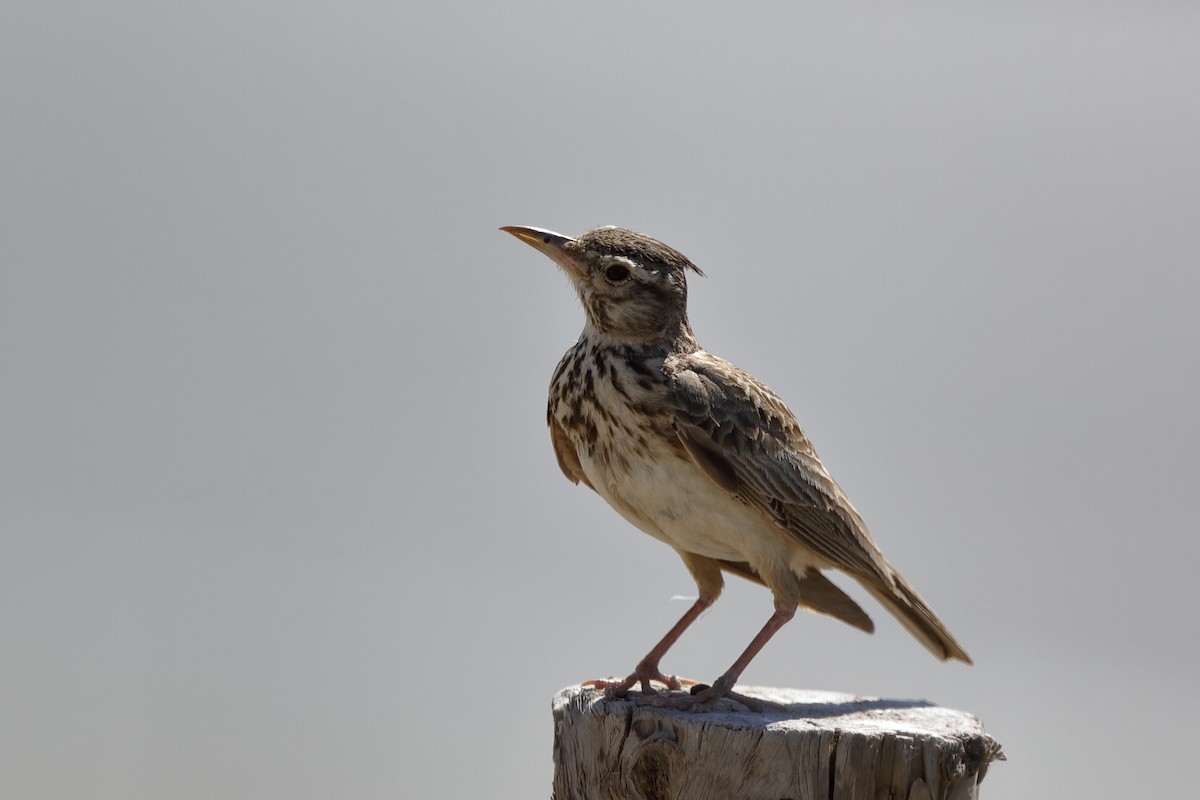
x=916 y=615
x=818 y=593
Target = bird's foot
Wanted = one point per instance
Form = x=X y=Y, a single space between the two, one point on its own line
x=707 y=698
x=645 y=675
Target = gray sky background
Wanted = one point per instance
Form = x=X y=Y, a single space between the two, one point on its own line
x=280 y=516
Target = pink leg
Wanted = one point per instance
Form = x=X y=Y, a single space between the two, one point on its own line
x=780 y=618
x=647 y=669
x=723 y=686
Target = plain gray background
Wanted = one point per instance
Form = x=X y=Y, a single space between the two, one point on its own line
x=280 y=515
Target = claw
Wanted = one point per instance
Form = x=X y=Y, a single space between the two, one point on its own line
x=706 y=698
x=645 y=676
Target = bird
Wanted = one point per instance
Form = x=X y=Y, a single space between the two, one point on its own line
x=704 y=457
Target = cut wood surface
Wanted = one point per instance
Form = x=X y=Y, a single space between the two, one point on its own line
x=807 y=745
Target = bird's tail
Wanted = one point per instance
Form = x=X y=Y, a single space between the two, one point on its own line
x=908 y=607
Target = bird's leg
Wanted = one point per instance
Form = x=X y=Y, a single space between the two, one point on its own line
x=707 y=574
x=723 y=686
x=647 y=669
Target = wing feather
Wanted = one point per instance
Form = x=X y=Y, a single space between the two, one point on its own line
x=744 y=438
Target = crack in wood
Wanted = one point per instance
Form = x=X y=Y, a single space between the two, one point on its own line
x=809 y=746
x=832 y=760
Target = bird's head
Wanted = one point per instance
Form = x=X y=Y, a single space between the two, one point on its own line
x=633 y=287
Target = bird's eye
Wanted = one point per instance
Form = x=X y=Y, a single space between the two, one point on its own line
x=617 y=273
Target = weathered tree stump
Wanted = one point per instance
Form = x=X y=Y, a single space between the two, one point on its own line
x=810 y=746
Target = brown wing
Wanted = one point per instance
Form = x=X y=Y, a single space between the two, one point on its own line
x=744 y=438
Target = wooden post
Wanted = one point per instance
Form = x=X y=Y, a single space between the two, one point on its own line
x=810 y=746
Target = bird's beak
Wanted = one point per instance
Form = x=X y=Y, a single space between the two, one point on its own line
x=550 y=244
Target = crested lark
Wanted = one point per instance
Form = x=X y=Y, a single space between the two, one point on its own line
x=702 y=456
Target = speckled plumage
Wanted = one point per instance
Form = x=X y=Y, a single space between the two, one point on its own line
x=700 y=454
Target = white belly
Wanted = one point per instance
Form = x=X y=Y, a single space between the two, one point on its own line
x=672 y=500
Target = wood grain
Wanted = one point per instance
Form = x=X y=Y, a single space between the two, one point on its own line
x=806 y=745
